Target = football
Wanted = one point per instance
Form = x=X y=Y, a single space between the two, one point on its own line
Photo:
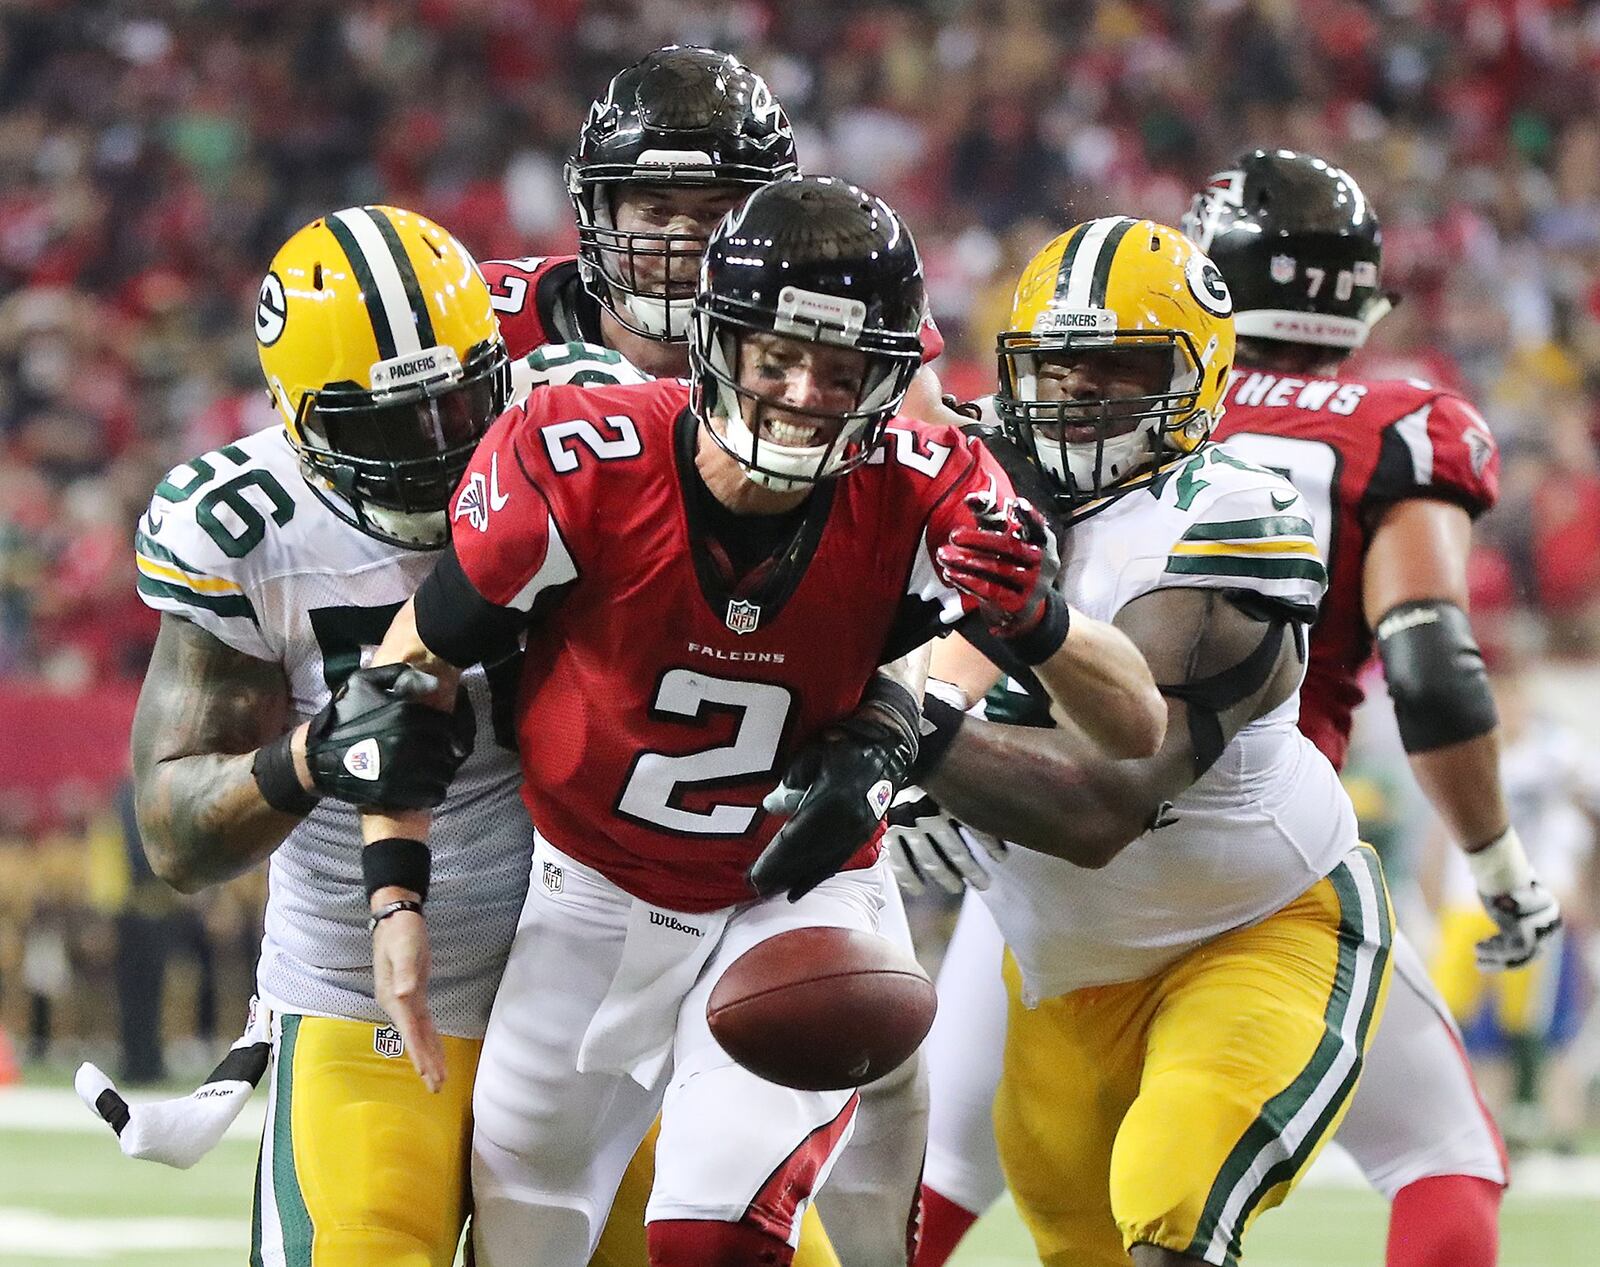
x=820 y=1009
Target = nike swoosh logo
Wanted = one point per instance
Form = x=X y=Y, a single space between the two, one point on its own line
x=1283 y=503
x=154 y=521
x=497 y=499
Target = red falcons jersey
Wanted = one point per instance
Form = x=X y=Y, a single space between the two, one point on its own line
x=541 y=299
x=660 y=700
x=1353 y=447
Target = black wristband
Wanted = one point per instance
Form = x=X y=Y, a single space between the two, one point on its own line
x=889 y=697
x=1045 y=638
x=393 y=908
x=940 y=723
x=279 y=785
x=400 y=861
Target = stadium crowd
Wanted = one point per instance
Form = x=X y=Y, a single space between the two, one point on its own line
x=152 y=153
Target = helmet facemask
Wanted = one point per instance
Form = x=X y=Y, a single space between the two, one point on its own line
x=646 y=278
x=1092 y=446
x=394 y=456
x=760 y=432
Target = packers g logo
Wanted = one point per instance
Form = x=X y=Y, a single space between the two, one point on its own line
x=272 y=311
x=1206 y=285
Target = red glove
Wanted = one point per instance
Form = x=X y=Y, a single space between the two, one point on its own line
x=1007 y=561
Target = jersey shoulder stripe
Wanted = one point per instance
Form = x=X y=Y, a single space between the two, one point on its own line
x=163 y=575
x=1242 y=527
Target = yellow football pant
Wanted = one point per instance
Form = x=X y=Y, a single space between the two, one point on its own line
x=361 y=1165
x=1172 y=1110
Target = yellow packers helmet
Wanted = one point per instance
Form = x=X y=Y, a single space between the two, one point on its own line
x=1117 y=359
x=381 y=349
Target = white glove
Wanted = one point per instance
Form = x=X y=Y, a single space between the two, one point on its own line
x=1526 y=912
x=926 y=845
x=179 y=1132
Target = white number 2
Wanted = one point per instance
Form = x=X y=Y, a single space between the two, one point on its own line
x=625 y=444
x=657 y=783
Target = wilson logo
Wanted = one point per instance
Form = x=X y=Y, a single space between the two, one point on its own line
x=660 y=919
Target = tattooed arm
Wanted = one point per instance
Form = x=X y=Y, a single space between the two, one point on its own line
x=203 y=711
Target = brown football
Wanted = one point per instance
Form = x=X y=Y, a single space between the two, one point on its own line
x=819 y=1009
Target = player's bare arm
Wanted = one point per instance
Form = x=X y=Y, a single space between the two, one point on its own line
x=1220 y=664
x=1414 y=595
x=1101 y=682
x=1008 y=563
x=395 y=845
x=203 y=712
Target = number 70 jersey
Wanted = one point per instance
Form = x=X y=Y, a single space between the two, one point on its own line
x=237 y=543
x=1353 y=448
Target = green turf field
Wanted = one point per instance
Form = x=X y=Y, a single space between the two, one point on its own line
x=68 y=1196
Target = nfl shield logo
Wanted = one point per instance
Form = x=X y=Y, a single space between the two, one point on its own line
x=551 y=874
x=743 y=617
x=386 y=1041
x=1282 y=269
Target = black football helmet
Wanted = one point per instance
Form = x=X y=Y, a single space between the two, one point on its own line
x=818 y=260
x=690 y=116
x=1299 y=246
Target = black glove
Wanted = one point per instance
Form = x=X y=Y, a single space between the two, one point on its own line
x=377 y=745
x=836 y=792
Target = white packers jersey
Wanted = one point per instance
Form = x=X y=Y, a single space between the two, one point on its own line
x=575 y=364
x=1263 y=824
x=237 y=542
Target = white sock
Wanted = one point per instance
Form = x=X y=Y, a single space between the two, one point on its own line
x=179 y=1132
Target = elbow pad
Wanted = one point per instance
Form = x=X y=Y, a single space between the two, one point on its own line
x=1435 y=673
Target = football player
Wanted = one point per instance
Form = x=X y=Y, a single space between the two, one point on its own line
x=1390 y=474
x=1199 y=947
x=677 y=140
x=276 y=562
x=707 y=575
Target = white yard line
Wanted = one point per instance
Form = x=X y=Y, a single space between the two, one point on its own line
x=79 y=1239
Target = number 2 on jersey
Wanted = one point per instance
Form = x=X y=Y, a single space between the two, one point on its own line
x=658 y=782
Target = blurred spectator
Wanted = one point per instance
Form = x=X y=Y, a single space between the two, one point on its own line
x=152 y=154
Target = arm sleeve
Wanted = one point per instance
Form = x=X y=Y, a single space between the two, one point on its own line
x=1444 y=449
x=506 y=553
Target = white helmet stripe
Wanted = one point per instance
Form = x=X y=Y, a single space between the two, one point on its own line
x=1081 y=280
x=385 y=272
